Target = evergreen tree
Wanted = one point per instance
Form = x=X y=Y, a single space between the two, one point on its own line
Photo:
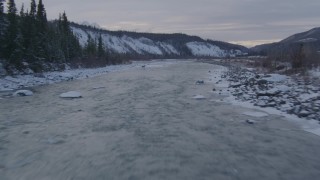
x=22 y=14
x=30 y=37
x=55 y=53
x=69 y=43
x=41 y=32
x=2 y=27
x=298 y=56
x=64 y=32
x=29 y=34
x=41 y=17
x=22 y=27
x=11 y=39
x=65 y=23
x=33 y=10
x=101 y=51
x=1 y=8
x=91 y=47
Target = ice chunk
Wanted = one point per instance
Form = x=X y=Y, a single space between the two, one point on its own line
x=71 y=94
x=199 y=97
x=23 y=93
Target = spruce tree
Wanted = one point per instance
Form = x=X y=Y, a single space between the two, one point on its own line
x=64 y=30
x=101 y=51
x=69 y=43
x=33 y=9
x=65 y=23
x=12 y=11
x=91 y=47
x=29 y=33
x=41 y=17
x=2 y=27
x=1 y=8
x=41 y=28
x=11 y=36
x=22 y=14
x=22 y=27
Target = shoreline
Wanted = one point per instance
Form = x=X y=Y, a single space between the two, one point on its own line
x=309 y=125
x=9 y=83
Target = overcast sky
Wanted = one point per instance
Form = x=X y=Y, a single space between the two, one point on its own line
x=245 y=22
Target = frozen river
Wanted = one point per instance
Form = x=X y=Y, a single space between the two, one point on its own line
x=144 y=124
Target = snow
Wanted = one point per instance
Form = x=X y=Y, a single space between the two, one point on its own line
x=168 y=48
x=311 y=126
x=308 y=40
x=315 y=72
x=215 y=77
x=142 y=45
x=82 y=35
x=283 y=88
x=116 y=44
x=71 y=94
x=305 y=97
x=23 y=93
x=126 y=44
x=205 y=49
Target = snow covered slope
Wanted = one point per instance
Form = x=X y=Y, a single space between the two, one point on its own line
x=155 y=44
x=207 y=49
x=126 y=44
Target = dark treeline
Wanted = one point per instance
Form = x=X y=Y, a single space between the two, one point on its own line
x=301 y=51
x=300 y=56
x=29 y=40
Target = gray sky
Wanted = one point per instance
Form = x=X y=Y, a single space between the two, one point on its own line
x=246 y=22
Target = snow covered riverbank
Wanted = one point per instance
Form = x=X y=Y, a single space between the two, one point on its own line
x=10 y=83
x=297 y=98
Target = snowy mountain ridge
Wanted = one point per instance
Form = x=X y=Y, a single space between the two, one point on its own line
x=138 y=44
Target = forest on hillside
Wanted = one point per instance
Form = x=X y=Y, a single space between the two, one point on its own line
x=301 y=51
x=177 y=40
x=29 y=41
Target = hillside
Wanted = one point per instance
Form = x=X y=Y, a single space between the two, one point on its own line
x=309 y=38
x=156 y=45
